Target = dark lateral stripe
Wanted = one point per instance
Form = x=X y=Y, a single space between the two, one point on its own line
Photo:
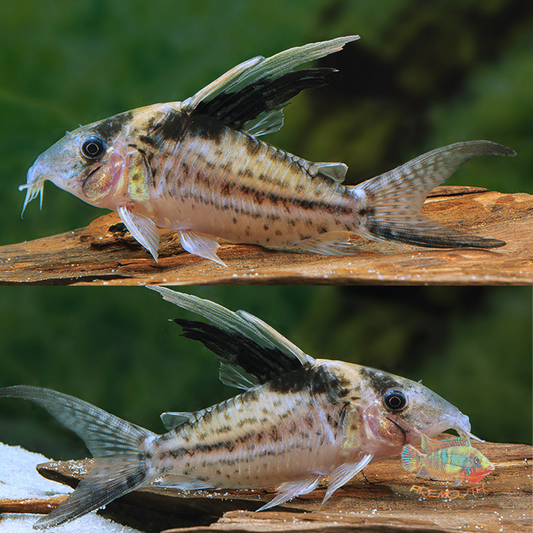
x=259 y=197
x=302 y=203
x=223 y=445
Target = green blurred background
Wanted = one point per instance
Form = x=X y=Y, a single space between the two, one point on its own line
x=424 y=74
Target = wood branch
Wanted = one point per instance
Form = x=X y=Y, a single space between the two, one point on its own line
x=384 y=497
x=104 y=253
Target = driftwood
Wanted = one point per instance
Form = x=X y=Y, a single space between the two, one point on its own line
x=105 y=253
x=383 y=498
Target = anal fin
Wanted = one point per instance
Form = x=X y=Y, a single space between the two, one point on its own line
x=331 y=243
x=423 y=472
x=182 y=482
x=200 y=244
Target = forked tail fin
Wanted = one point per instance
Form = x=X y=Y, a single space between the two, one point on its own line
x=392 y=201
x=118 y=446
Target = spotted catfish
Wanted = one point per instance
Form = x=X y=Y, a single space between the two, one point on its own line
x=198 y=167
x=298 y=420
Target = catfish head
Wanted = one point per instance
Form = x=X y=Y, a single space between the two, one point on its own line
x=394 y=411
x=92 y=161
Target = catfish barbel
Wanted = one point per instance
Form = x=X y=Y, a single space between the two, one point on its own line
x=198 y=167
x=299 y=419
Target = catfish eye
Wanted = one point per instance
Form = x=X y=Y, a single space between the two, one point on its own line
x=93 y=148
x=394 y=400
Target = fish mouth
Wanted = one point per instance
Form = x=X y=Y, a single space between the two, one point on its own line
x=462 y=428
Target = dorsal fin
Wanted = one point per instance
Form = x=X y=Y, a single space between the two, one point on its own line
x=172 y=420
x=238 y=339
x=430 y=445
x=251 y=95
x=256 y=108
x=235 y=348
x=232 y=377
x=336 y=171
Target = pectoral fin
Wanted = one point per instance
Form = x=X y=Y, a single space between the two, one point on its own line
x=342 y=474
x=142 y=228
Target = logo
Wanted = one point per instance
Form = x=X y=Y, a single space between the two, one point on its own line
x=425 y=492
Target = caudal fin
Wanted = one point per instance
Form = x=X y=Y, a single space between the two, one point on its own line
x=393 y=200
x=117 y=445
x=410 y=458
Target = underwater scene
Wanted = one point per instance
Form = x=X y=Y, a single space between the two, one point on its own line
x=421 y=76
x=116 y=349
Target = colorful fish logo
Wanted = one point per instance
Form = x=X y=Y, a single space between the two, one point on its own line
x=450 y=459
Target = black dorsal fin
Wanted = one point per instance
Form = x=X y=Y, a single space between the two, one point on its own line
x=261 y=99
x=250 y=96
x=238 y=338
x=237 y=349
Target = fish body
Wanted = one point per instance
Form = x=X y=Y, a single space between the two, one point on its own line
x=198 y=167
x=450 y=459
x=299 y=419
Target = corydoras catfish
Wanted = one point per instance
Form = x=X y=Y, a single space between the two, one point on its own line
x=198 y=167
x=299 y=419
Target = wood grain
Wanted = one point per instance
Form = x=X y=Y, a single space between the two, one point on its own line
x=384 y=498
x=105 y=254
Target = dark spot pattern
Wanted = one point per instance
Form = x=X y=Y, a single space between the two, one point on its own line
x=107 y=129
x=169 y=128
x=380 y=381
x=315 y=380
x=206 y=128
